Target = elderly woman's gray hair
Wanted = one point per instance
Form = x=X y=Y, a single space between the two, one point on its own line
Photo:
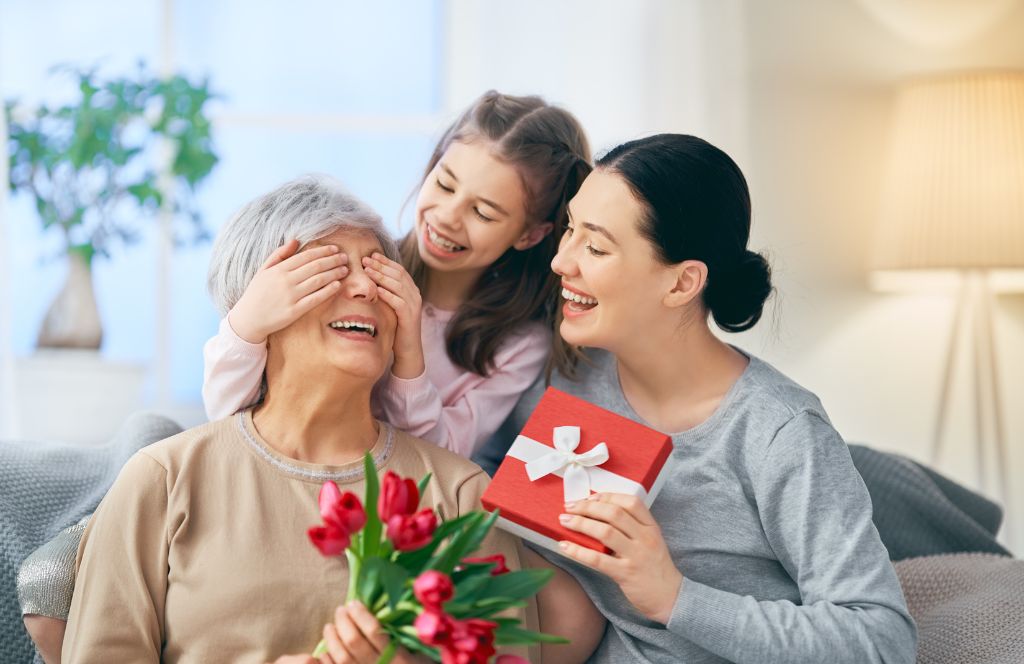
x=305 y=209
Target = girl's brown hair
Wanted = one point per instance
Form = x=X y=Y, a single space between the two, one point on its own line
x=548 y=148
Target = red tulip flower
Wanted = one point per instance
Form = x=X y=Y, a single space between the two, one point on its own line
x=432 y=589
x=329 y=540
x=472 y=642
x=343 y=515
x=398 y=496
x=343 y=510
x=433 y=627
x=498 y=560
x=410 y=532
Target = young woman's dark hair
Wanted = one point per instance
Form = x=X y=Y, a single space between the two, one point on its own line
x=549 y=149
x=698 y=208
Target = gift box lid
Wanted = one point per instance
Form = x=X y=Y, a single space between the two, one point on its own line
x=636 y=452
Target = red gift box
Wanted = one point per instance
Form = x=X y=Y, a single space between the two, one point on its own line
x=636 y=462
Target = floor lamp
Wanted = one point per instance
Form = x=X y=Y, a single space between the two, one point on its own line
x=953 y=203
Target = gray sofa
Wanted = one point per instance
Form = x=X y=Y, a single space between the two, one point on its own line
x=963 y=588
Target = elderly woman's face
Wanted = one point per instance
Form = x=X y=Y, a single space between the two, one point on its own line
x=353 y=331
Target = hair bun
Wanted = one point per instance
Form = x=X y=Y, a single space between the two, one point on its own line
x=736 y=296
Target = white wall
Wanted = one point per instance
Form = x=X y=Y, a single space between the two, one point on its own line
x=822 y=81
x=799 y=93
x=625 y=69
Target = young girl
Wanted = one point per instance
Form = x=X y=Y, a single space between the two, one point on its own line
x=488 y=220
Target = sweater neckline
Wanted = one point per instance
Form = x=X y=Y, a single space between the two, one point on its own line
x=694 y=431
x=314 y=472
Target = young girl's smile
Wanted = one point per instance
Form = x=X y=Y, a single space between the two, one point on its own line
x=470 y=209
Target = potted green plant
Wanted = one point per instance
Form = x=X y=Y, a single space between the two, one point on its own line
x=124 y=151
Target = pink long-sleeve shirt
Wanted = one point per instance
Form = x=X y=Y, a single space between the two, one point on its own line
x=446 y=405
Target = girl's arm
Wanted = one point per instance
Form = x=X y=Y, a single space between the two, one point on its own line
x=462 y=426
x=285 y=287
x=816 y=514
x=409 y=401
x=232 y=372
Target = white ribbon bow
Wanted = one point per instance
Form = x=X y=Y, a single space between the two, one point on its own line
x=576 y=479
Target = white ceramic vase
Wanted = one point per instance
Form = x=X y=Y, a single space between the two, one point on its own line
x=73 y=320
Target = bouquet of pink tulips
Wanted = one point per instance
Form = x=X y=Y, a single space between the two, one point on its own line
x=412 y=572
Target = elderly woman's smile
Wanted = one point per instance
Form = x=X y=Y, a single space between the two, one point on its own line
x=356 y=327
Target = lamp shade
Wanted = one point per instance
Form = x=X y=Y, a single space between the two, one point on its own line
x=953 y=197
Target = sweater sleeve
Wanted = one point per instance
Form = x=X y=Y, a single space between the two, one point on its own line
x=117 y=610
x=463 y=424
x=816 y=514
x=232 y=372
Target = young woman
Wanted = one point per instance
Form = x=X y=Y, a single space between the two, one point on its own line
x=488 y=216
x=760 y=548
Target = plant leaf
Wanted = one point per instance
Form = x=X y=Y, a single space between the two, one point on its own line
x=511 y=635
x=369 y=581
x=464 y=542
x=373 y=527
x=393 y=578
x=422 y=486
x=416 y=561
x=520 y=584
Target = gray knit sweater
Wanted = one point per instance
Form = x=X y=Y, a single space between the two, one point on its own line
x=770 y=524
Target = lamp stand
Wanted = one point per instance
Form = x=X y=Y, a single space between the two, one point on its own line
x=974 y=307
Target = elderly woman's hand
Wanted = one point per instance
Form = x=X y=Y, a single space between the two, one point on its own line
x=286 y=286
x=295 y=659
x=396 y=287
x=640 y=562
x=356 y=638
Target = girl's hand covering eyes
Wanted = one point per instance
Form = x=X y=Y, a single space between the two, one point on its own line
x=396 y=287
x=286 y=286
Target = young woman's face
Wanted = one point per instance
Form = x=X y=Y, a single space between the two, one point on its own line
x=353 y=331
x=612 y=284
x=470 y=210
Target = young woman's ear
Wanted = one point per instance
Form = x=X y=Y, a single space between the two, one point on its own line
x=691 y=278
x=533 y=235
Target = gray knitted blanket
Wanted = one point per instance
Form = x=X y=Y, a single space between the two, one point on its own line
x=919 y=512
x=969 y=607
x=45 y=487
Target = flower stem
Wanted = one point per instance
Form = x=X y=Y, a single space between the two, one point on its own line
x=354 y=567
x=388 y=653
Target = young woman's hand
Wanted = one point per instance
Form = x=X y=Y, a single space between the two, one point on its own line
x=396 y=287
x=286 y=286
x=355 y=637
x=640 y=562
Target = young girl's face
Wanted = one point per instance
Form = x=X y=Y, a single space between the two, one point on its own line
x=470 y=210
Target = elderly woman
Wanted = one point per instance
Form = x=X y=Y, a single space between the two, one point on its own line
x=198 y=553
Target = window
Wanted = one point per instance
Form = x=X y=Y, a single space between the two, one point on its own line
x=347 y=88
